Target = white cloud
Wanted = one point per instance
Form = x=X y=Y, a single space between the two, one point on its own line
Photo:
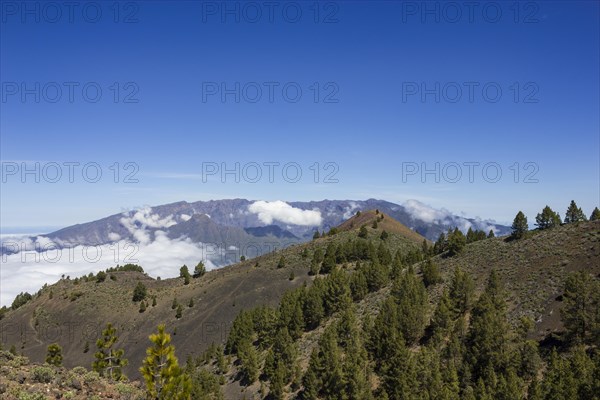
x=29 y=270
x=185 y=217
x=137 y=223
x=430 y=215
x=114 y=236
x=281 y=211
x=144 y=217
x=426 y=213
x=350 y=210
x=159 y=255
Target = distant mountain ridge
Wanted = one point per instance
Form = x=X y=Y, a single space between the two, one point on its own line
x=232 y=221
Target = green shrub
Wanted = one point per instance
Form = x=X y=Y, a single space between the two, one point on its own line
x=30 y=396
x=75 y=295
x=91 y=377
x=43 y=374
x=79 y=371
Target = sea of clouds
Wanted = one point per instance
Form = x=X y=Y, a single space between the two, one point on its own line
x=42 y=261
x=159 y=255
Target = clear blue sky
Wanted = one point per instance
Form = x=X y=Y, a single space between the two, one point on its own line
x=368 y=59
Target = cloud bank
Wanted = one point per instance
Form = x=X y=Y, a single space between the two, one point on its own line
x=269 y=211
x=28 y=270
x=427 y=214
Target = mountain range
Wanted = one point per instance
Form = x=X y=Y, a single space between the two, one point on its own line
x=240 y=222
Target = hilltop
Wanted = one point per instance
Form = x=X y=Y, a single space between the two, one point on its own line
x=383 y=222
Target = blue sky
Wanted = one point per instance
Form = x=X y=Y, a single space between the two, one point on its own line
x=370 y=64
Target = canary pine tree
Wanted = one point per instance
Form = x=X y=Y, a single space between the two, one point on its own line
x=595 y=216
x=54 y=355
x=519 y=226
x=547 y=219
x=109 y=362
x=164 y=378
x=574 y=214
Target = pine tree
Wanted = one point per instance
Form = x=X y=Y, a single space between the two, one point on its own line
x=312 y=308
x=441 y=321
x=290 y=313
x=164 y=378
x=241 y=331
x=140 y=292
x=184 y=273
x=270 y=364
x=363 y=233
x=383 y=330
x=315 y=267
x=398 y=372
x=470 y=236
x=425 y=248
x=287 y=353
x=249 y=366
x=54 y=355
x=376 y=274
x=199 y=270
x=559 y=382
x=491 y=234
x=179 y=312
x=384 y=255
x=461 y=290
x=358 y=285
x=355 y=370
x=304 y=253
x=336 y=295
x=281 y=262
x=519 y=226
x=191 y=302
x=411 y=298
x=109 y=362
x=534 y=391
x=595 y=216
x=221 y=363
x=488 y=332
x=581 y=304
x=583 y=371
x=440 y=244
x=331 y=363
x=431 y=273
x=456 y=242
x=311 y=379
x=547 y=219
x=100 y=277
x=142 y=307
x=574 y=214
x=277 y=387
x=397 y=266
x=329 y=259
x=205 y=385
x=509 y=386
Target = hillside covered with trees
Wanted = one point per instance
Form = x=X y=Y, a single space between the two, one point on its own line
x=358 y=313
